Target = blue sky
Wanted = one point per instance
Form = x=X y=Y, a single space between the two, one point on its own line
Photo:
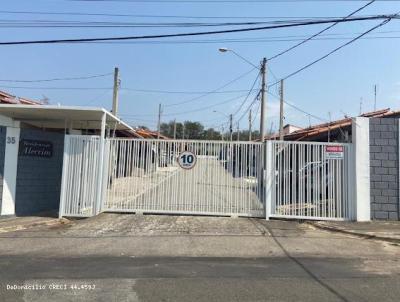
x=335 y=85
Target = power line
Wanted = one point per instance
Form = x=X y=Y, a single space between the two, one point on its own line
x=333 y=51
x=207 y=107
x=56 y=88
x=274 y=39
x=212 y=91
x=320 y=32
x=244 y=40
x=59 y=79
x=248 y=108
x=159 y=16
x=96 y=98
x=97 y=24
x=188 y=34
x=183 y=92
x=256 y=113
x=247 y=96
x=192 y=111
x=224 y=1
x=298 y=108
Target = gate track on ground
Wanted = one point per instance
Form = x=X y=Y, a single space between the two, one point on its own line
x=266 y=229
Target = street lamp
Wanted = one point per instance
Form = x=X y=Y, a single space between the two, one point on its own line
x=263 y=81
x=224 y=49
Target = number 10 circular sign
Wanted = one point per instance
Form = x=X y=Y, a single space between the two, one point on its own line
x=187 y=160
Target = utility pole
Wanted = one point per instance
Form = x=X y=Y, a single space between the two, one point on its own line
x=230 y=126
x=174 y=128
x=271 y=130
x=115 y=91
x=250 y=121
x=159 y=121
x=263 y=99
x=281 y=113
x=238 y=132
x=375 y=97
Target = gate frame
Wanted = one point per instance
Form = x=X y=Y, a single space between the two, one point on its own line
x=270 y=182
x=268 y=177
x=227 y=214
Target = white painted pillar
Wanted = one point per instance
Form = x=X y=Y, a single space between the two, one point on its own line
x=10 y=171
x=269 y=178
x=361 y=191
x=99 y=201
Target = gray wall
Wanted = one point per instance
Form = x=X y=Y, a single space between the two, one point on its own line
x=2 y=154
x=384 y=164
x=39 y=179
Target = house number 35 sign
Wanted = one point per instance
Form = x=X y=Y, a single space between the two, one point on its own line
x=187 y=160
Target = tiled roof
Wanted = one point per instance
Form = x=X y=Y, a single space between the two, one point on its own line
x=149 y=134
x=317 y=130
x=6 y=98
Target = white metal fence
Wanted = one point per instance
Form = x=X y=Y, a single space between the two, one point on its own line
x=144 y=175
x=80 y=174
x=311 y=180
x=302 y=180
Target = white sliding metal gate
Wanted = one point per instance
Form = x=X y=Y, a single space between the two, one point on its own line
x=80 y=174
x=311 y=181
x=144 y=176
x=302 y=180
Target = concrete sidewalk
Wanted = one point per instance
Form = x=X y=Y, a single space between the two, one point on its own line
x=378 y=230
x=12 y=224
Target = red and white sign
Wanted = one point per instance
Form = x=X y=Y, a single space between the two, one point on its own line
x=334 y=152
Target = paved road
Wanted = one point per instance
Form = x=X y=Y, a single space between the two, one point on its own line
x=170 y=258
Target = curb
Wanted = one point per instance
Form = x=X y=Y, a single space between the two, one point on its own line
x=22 y=227
x=360 y=235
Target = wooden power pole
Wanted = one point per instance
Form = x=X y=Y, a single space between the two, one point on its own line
x=230 y=126
x=263 y=98
x=115 y=92
x=250 y=121
x=281 y=113
x=159 y=121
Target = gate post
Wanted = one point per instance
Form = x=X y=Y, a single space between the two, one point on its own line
x=97 y=207
x=63 y=177
x=361 y=168
x=268 y=178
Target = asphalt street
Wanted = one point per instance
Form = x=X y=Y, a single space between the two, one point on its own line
x=176 y=258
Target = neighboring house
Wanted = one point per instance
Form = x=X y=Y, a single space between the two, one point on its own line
x=32 y=149
x=6 y=98
x=335 y=131
x=145 y=133
x=288 y=129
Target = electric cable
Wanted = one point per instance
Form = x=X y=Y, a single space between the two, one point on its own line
x=188 y=34
x=320 y=32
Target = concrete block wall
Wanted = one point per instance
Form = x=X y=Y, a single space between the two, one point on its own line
x=2 y=153
x=384 y=166
x=38 y=178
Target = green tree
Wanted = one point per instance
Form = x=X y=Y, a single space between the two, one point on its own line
x=193 y=130
x=211 y=134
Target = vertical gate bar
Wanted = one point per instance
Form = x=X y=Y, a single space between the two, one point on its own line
x=64 y=174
